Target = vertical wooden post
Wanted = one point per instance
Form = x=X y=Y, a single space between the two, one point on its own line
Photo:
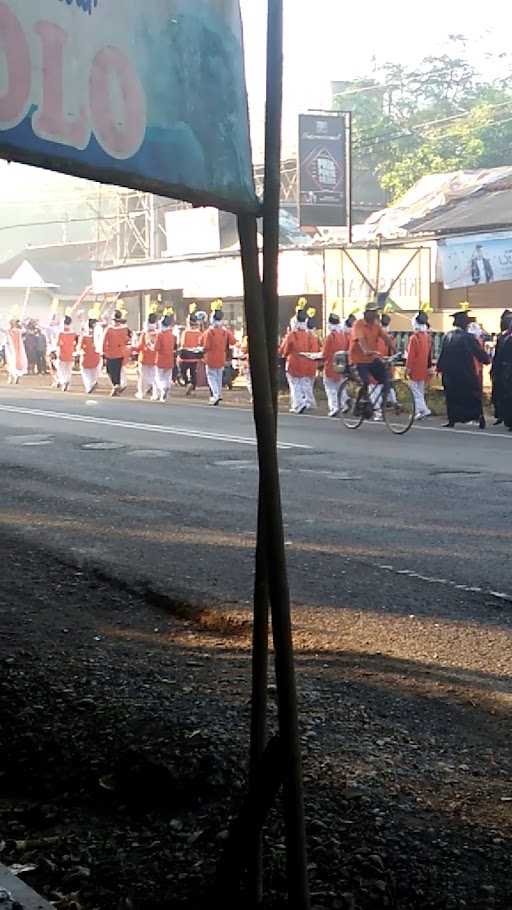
x=272 y=198
x=272 y=194
x=270 y=493
x=259 y=695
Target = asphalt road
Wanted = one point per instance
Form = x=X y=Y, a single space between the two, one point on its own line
x=168 y=493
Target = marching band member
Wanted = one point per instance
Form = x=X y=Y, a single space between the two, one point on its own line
x=128 y=352
x=16 y=356
x=314 y=347
x=146 y=349
x=66 y=342
x=295 y=343
x=217 y=341
x=190 y=339
x=336 y=341
x=385 y=347
x=90 y=359
x=165 y=351
x=419 y=363
x=115 y=341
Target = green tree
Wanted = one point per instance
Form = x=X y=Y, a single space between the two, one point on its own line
x=434 y=117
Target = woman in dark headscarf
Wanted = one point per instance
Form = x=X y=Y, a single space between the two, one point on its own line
x=502 y=374
x=461 y=382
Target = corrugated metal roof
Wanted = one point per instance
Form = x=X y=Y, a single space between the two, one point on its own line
x=485 y=211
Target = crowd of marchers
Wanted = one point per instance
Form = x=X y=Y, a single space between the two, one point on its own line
x=161 y=349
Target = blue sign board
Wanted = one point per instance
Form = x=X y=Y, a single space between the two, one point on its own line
x=148 y=94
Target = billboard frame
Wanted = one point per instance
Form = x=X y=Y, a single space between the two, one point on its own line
x=346 y=116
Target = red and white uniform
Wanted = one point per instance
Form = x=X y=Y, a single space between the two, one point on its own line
x=165 y=360
x=336 y=341
x=217 y=340
x=66 y=343
x=146 y=348
x=190 y=339
x=90 y=361
x=312 y=365
x=419 y=363
x=298 y=369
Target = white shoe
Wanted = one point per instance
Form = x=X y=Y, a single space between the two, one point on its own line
x=419 y=416
x=378 y=418
x=139 y=396
x=333 y=413
x=427 y=414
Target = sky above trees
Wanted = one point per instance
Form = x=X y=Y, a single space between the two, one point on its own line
x=334 y=40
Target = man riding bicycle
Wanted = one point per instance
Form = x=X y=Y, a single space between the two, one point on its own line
x=364 y=356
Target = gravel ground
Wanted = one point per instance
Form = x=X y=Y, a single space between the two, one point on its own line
x=124 y=724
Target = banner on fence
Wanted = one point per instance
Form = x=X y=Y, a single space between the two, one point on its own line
x=479 y=259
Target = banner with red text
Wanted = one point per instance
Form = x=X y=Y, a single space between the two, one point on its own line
x=148 y=94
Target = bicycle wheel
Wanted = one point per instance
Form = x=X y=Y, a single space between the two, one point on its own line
x=351 y=406
x=399 y=410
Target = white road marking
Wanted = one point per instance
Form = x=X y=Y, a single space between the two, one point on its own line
x=150 y=453
x=35 y=439
x=103 y=446
x=442 y=581
x=426 y=428
x=147 y=427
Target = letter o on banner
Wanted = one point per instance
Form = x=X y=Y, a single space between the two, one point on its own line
x=121 y=137
x=14 y=102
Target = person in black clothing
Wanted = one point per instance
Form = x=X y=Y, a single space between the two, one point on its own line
x=502 y=373
x=461 y=382
x=42 y=366
x=30 y=341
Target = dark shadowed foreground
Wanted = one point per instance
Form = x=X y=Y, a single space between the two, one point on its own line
x=124 y=723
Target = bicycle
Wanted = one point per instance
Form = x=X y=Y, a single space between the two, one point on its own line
x=358 y=403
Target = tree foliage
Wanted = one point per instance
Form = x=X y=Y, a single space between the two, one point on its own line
x=439 y=116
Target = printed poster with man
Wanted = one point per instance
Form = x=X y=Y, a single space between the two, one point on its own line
x=476 y=260
x=144 y=93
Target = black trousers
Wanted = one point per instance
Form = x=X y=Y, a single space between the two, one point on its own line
x=42 y=366
x=375 y=370
x=114 y=366
x=189 y=372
